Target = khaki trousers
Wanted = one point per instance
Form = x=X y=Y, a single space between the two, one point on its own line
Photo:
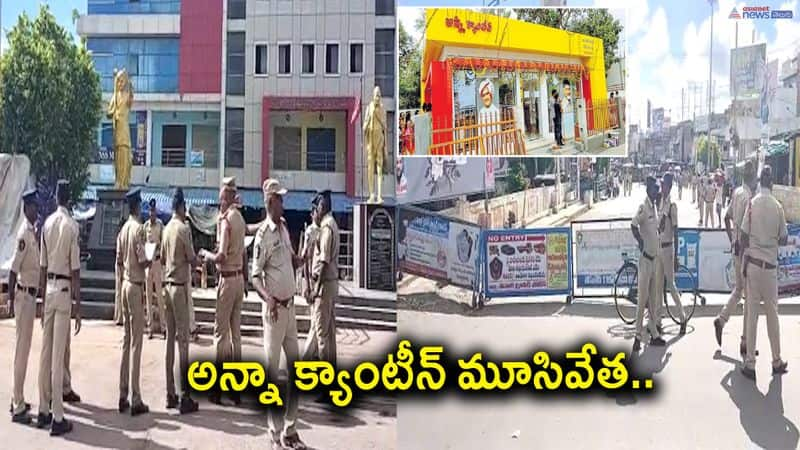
x=58 y=306
x=24 y=315
x=155 y=288
x=709 y=214
x=762 y=287
x=281 y=334
x=648 y=293
x=321 y=341
x=177 y=317
x=133 y=312
x=228 y=319
x=667 y=274
x=736 y=297
x=117 y=296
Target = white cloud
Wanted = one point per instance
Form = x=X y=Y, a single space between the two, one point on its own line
x=653 y=46
x=637 y=11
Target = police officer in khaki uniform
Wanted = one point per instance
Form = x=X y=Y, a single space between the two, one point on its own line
x=645 y=229
x=23 y=281
x=310 y=236
x=59 y=282
x=735 y=214
x=177 y=252
x=272 y=271
x=668 y=233
x=763 y=231
x=153 y=229
x=709 y=195
x=132 y=263
x=230 y=259
x=325 y=287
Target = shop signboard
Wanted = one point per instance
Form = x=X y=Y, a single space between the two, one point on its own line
x=600 y=253
x=748 y=70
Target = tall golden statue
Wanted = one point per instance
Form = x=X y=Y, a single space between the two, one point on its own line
x=375 y=144
x=118 y=109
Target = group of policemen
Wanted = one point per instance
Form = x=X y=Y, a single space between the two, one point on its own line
x=56 y=275
x=756 y=226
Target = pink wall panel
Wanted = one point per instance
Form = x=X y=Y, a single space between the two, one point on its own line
x=200 y=69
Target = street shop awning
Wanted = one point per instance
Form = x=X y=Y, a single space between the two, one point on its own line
x=777 y=148
x=510 y=65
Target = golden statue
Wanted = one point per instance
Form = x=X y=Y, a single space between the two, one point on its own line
x=375 y=144
x=118 y=109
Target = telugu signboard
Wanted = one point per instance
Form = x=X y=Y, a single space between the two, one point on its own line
x=789 y=262
x=527 y=262
x=600 y=253
x=748 y=68
x=437 y=247
x=429 y=179
x=380 y=250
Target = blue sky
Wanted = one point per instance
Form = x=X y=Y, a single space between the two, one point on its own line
x=668 y=47
x=62 y=9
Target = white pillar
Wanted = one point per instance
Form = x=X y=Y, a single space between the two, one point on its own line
x=544 y=115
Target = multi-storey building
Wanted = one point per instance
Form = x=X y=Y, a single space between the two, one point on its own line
x=246 y=88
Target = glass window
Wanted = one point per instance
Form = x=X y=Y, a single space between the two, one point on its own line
x=173 y=145
x=134 y=6
x=384 y=7
x=321 y=149
x=308 y=58
x=285 y=58
x=384 y=61
x=236 y=9
x=234 y=137
x=356 y=58
x=205 y=138
x=152 y=63
x=286 y=153
x=235 y=64
x=331 y=58
x=261 y=59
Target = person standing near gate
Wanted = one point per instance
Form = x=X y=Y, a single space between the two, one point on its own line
x=735 y=214
x=231 y=261
x=132 y=262
x=709 y=195
x=177 y=252
x=763 y=231
x=701 y=186
x=153 y=229
x=557 y=120
x=23 y=279
x=59 y=283
x=645 y=230
x=668 y=232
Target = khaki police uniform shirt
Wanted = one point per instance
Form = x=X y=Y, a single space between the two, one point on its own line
x=647 y=220
x=671 y=221
x=710 y=193
x=177 y=251
x=765 y=223
x=25 y=262
x=60 y=252
x=311 y=236
x=272 y=259
x=130 y=251
x=327 y=250
x=232 y=226
x=153 y=232
x=741 y=198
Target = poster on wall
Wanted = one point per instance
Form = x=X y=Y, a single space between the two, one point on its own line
x=436 y=247
x=599 y=254
x=748 y=71
x=139 y=142
x=435 y=178
x=527 y=262
x=789 y=262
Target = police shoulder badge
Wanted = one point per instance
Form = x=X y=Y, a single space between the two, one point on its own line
x=21 y=245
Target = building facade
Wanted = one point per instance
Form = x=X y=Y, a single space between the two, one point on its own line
x=246 y=88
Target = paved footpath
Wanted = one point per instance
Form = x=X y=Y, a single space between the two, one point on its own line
x=96 y=354
x=703 y=402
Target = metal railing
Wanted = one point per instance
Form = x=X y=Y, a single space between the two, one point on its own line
x=345 y=255
x=604 y=115
x=484 y=133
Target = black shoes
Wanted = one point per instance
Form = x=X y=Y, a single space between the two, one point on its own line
x=44 y=420
x=172 y=401
x=718 y=331
x=236 y=397
x=749 y=373
x=124 y=405
x=215 y=398
x=188 y=405
x=71 y=397
x=140 y=408
x=658 y=341
x=781 y=368
x=21 y=418
x=60 y=428
x=636 y=345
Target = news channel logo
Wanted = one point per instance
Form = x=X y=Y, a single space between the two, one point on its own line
x=760 y=12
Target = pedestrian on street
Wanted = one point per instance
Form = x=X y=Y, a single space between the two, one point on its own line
x=272 y=271
x=154 y=289
x=132 y=263
x=231 y=261
x=709 y=195
x=23 y=279
x=177 y=252
x=325 y=276
x=668 y=232
x=59 y=283
x=735 y=214
x=763 y=231
x=645 y=230
x=701 y=186
x=557 y=120
x=718 y=200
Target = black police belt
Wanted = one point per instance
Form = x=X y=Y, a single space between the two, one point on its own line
x=29 y=290
x=666 y=244
x=759 y=263
x=647 y=256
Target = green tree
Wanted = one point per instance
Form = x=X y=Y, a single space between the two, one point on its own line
x=598 y=23
x=410 y=60
x=50 y=102
x=702 y=153
x=517 y=178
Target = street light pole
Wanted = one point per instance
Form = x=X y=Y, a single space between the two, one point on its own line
x=710 y=59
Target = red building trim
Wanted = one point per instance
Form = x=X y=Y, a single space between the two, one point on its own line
x=200 y=48
x=346 y=104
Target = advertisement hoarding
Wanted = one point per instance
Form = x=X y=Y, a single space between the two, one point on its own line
x=599 y=254
x=527 y=262
x=748 y=69
x=789 y=262
x=435 y=178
